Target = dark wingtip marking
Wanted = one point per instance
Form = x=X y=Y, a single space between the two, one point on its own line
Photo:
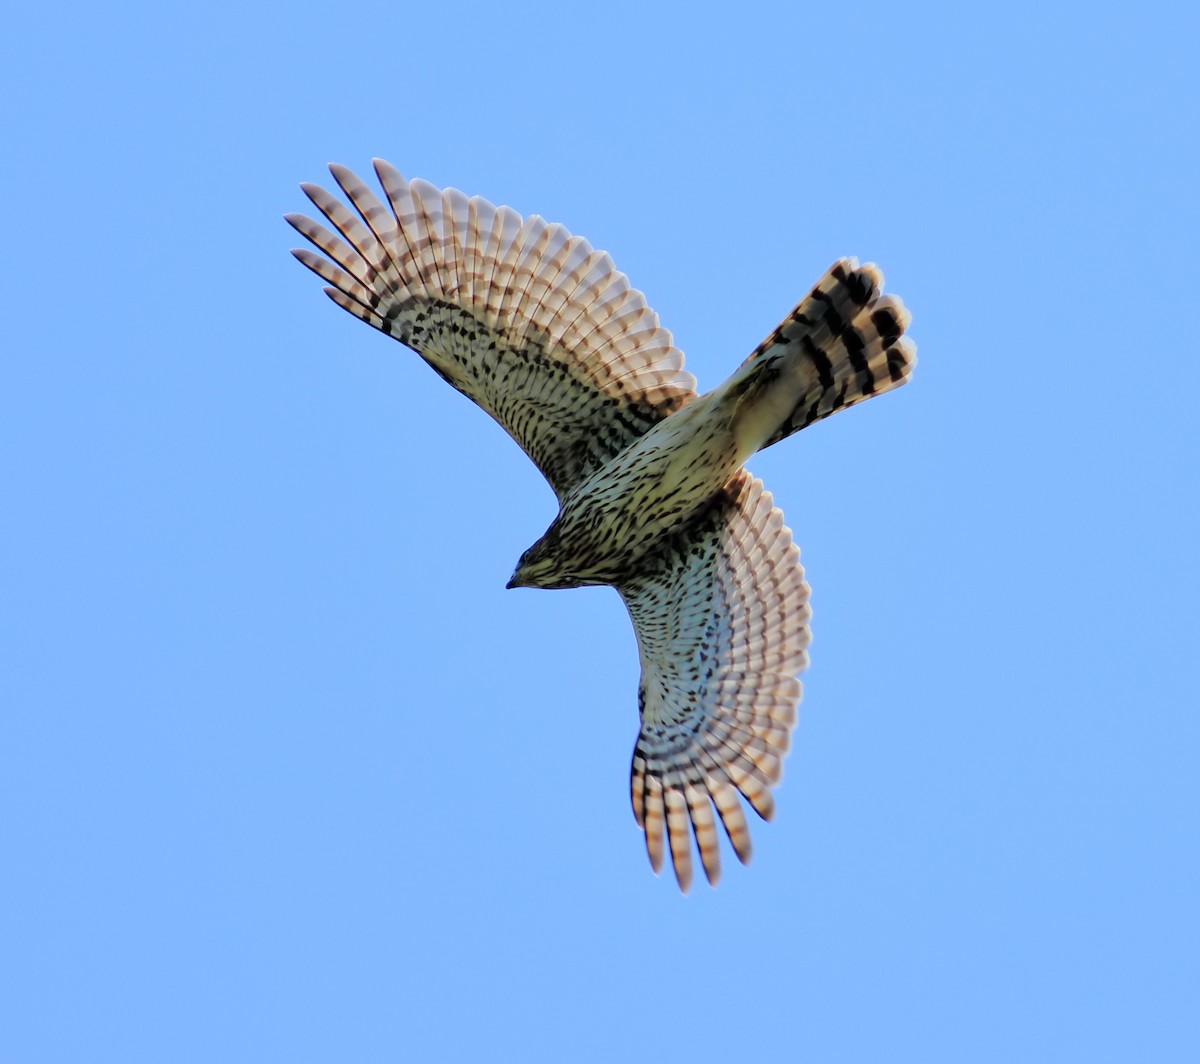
x=853 y=342
x=888 y=325
x=820 y=360
x=832 y=319
x=859 y=288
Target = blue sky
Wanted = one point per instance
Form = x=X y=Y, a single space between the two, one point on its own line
x=286 y=774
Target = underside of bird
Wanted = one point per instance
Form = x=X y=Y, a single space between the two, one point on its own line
x=544 y=333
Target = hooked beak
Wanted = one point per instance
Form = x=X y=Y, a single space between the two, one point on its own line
x=516 y=581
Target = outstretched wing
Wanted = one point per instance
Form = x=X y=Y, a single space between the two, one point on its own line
x=520 y=316
x=721 y=615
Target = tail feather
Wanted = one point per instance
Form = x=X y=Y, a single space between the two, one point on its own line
x=843 y=343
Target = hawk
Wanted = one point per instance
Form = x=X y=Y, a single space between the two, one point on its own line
x=542 y=332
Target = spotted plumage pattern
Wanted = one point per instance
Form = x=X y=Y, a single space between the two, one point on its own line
x=520 y=316
x=543 y=333
x=721 y=614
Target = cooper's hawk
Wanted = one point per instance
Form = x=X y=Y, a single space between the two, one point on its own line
x=542 y=332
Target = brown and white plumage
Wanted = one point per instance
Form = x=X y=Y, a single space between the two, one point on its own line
x=526 y=320
x=721 y=615
x=543 y=333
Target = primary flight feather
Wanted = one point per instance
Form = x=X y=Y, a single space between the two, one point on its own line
x=544 y=333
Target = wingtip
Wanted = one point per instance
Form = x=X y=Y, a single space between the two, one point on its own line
x=386 y=172
x=341 y=174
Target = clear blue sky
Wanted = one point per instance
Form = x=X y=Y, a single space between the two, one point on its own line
x=287 y=775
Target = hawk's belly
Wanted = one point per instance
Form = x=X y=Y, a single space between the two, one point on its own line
x=649 y=490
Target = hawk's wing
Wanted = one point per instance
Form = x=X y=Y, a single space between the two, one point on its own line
x=721 y=615
x=519 y=315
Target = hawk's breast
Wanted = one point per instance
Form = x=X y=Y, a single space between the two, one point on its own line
x=648 y=491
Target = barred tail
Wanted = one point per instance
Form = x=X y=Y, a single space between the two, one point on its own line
x=843 y=343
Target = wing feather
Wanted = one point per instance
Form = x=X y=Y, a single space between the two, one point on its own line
x=721 y=616
x=528 y=321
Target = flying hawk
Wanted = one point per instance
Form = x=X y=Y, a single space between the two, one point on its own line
x=544 y=333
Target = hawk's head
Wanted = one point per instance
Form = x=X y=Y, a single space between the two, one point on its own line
x=544 y=566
